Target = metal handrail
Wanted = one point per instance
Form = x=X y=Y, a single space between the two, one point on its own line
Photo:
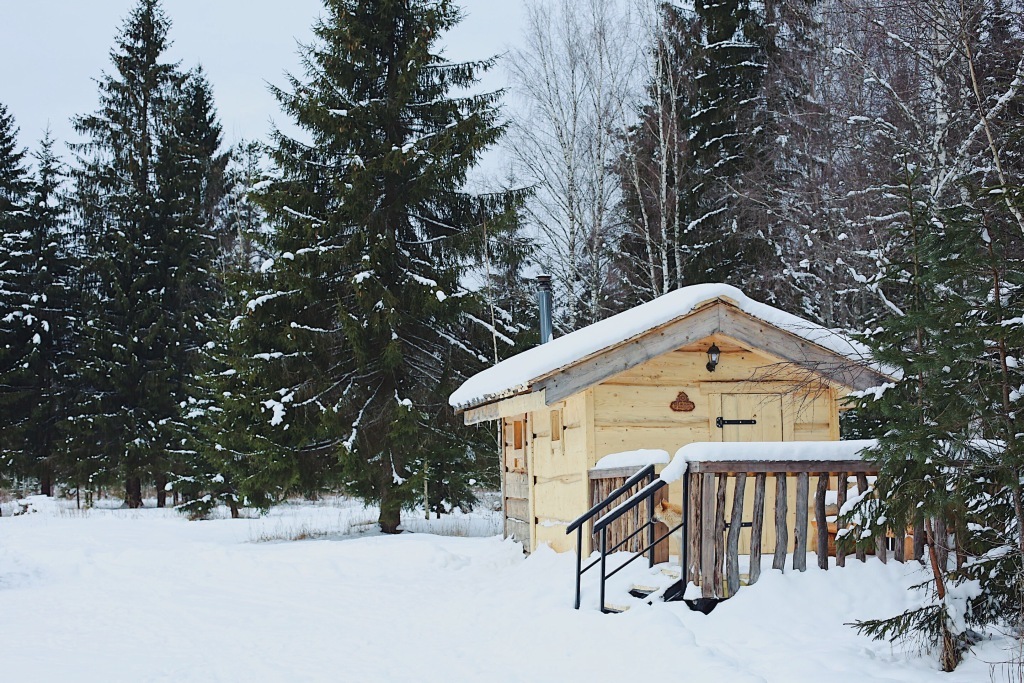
x=643 y=550
x=650 y=487
x=630 y=483
x=630 y=503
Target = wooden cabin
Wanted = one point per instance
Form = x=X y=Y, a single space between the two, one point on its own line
x=644 y=379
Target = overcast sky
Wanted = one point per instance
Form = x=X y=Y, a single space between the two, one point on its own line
x=51 y=50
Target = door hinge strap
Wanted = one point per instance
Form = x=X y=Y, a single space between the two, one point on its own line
x=721 y=423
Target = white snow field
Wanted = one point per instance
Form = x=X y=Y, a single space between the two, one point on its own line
x=119 y=595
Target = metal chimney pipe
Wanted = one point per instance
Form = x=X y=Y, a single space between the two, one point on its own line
x=544 y=304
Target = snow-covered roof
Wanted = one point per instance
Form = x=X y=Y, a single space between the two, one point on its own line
x=516 y=374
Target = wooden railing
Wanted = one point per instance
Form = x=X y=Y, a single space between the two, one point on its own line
x=714 y=529
x=602 y=484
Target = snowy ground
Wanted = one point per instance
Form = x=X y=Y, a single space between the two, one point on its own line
x=117 y=595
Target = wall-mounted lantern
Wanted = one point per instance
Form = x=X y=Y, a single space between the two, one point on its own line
x=713 y=355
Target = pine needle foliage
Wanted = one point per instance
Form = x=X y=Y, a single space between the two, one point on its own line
x=357 y=326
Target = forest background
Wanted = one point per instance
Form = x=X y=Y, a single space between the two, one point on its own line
x=234 y=324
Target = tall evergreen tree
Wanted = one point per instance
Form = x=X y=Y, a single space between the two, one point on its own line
x=36 y=374
x=190 y=176
x=950 y=457
x=356 y=329
x=15 y=330
x=697 y=165
x=146 y=184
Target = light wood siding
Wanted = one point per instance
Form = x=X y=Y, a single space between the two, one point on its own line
x=632 y=410
x=559 y=475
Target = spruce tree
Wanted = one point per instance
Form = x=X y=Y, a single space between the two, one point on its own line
x=15 y=292
x=146 y=185
x=950 y=457
x=357 y=327
x=697 y=165
x=35 y=378
x=190 y=174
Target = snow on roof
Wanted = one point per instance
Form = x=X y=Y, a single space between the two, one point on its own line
x=761 y=451
x=638 y=458
x=514 y=375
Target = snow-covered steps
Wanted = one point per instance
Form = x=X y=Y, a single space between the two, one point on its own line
x=641 y=592
x=611 y=608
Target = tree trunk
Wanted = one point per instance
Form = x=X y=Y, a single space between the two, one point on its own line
x=133 y=492
x=45 y=482
x=161 y=491
x=390 y=510
x=233 y=504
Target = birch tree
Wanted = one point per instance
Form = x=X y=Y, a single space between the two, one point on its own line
x=574 y=78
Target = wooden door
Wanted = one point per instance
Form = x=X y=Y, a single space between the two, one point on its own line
x=765 y=410
x=751 y=417
x=517 y=480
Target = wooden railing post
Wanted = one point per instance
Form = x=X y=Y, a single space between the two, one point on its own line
x=862 y=486
x=919 y=540
x=756 y=527
x=840 y=502
x=781 y=525
x=723 y=481
x=693 y=530
x=707 y=537
x=732 y=553
x=822 y=520
x=800 y=532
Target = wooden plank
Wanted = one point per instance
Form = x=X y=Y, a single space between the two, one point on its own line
x=756 y=527
x=685 y=370
x=609 y=440
x=518 y=509
x=764 y=408
x=840 y=502
x=707 y=537
x=515 y=405
x=660 y=529
x=619 y=405
x=800 y=532
x=862 y=486
x=732 y=555
x=598 y=367
x=519 y=531
x=817 y=360
x=693 y=531
x=789 y=466
x=781 y=526
x=560 y=479
x=723 y=481
x=822 y=522
x=517 y=485
x=614 y=473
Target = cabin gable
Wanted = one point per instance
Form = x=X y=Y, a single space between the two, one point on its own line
x=647 y=406
x=783 y=352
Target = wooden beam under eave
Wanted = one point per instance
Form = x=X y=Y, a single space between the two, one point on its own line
x=590 y=371
x=789 y=347
x=516 y=405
